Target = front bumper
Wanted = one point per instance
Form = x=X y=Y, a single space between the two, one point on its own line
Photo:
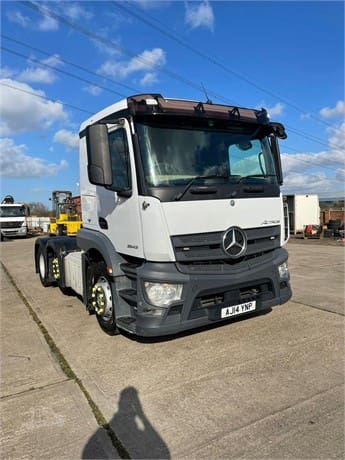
x=11 y=232
x=205 y=293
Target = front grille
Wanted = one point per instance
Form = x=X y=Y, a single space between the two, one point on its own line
x=259 y=292
x=11 y=224
x=208 y=247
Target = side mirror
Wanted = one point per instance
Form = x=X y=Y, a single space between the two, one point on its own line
x=277 y=160
x=99 y=165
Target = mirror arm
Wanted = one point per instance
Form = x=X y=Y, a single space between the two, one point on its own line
x=276 y=154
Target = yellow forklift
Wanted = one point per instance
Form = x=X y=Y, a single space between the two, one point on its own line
x=67 y=221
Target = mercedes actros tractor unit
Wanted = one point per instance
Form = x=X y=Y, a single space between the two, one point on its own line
x=183 y=219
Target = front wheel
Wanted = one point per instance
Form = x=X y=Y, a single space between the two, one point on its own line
x=101 y=297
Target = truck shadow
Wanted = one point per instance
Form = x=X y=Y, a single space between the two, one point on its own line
x=132 y=433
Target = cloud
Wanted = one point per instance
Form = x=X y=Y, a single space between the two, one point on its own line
x=150 y=4
x=107 y=36
x=6 y=72
x=14 y=162
x=48 y=24
x=274 y=110
x=22 y=112
x=335 y=112
x=305 y=116
x=93 y=90
x=337 y=140
x=17 y=17
x=45 y=23
x=148 y=79
x=317 y=172
x=67 y=138
x=41 y=75
x=75 y=11
x=147 y=60
x=37 y=75
x=200 y=15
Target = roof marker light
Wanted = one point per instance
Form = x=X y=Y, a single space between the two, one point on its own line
x=151 y=102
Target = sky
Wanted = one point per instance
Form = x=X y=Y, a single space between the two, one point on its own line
x=63 y=61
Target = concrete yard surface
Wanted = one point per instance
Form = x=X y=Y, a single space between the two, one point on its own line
x=44 y=414
x=269 y=386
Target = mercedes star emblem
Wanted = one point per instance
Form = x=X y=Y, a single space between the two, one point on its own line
x=234 y=242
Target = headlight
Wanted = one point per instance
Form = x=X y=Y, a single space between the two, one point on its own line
x=162 y=294
x=283 y=271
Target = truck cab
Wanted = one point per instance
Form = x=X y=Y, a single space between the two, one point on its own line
x=183 y=218
x=13 y=218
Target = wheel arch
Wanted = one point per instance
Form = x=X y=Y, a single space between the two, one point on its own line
x=53 y=245
x=99 y=247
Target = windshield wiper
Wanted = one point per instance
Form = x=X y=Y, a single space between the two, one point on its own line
x=191 y=182
x=241 y=179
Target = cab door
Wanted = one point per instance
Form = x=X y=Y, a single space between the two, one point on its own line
x=118 y=205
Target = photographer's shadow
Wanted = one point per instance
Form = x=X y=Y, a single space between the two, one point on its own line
x=136 y=434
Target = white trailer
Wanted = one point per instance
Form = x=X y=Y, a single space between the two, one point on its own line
x=303 y=210
x=183 y=217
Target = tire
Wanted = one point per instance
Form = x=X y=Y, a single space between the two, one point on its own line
x=334 y=224
x=100 y=297
x=43 y=269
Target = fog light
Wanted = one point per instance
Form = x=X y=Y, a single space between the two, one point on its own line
x=283 y=271
x=154 y=311
x=162 y=294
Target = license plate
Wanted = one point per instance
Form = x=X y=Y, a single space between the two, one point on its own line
x=238 y=309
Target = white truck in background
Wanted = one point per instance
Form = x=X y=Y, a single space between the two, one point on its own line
x=13 y=218
x=183 y=218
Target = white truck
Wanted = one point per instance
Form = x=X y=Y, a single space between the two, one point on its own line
x=13 y=218
x=183 y=218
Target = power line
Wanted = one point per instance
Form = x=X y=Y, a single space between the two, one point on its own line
x=74 y=107
x=312 y=137
x=174 y=75
x=307 y=136
x=109 y=43
x=209 y=58
x=37 y=61
x=65 y=72
x=91 y=113
x=77 y=66
x=308 y=161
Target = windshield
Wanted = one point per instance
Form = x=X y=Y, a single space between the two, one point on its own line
x=175 y=155
x=12 y=211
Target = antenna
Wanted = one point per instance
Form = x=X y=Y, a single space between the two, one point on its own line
x=208 y=100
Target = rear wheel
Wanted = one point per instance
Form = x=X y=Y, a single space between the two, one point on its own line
x=101 y=297
x=43 y=268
